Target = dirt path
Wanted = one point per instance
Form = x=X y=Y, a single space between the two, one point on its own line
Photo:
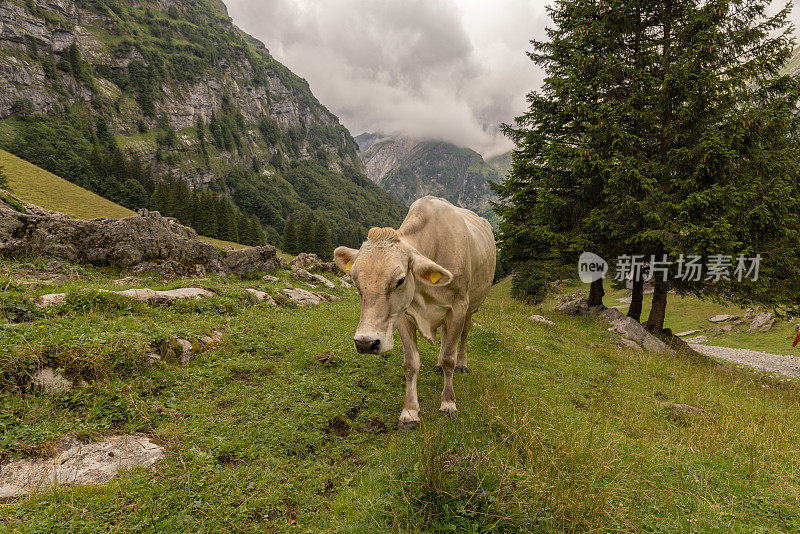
x=774 y=363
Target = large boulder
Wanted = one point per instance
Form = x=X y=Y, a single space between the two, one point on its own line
x=147 y=238
x=144 y=242
x=250 y=260
x=311 y=262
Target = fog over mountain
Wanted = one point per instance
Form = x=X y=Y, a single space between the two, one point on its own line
x=449 y=70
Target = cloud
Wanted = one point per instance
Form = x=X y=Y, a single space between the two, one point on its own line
x=444 y=69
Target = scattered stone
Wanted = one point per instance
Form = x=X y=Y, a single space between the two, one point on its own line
x=324 y=281
x=302 y=297
x=762 y=322
x=127 y=280
x=215 y=337
x=697 y=339
x=78 y=463
x=261 y=296
x=682 y=409
x=153 y=358
x=344 y=283
x=53 y=299
x=186 y=351
x=577 y=306
x=721 y=318
x=541 y=319
x=532 y=349
x=727 y=327
x=304 y=260
x=625 y=300
x=270 y=278
x=143 y=294
x=687 y=333
x=51 y=381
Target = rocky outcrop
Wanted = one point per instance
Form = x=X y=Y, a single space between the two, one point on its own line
x=78 y=463
x=145 y=242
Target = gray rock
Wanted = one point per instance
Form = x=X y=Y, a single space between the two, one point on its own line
x=262 y=296
x=143 y=294
x=577 y=306
x=687 y=333
x=630 y=329
x=302 y=297
x=762 y=322
x=52 y=299
x=78 y=463
x=344 y=283
x=697 y=339
x=301 y=274
x=541 y=319
x=186 y=351
x=127 y=280
x=249 y=260
x=322 y=280
x=630 y=344
x=51 y=381
x=153 y=358
x=270 y=278
x=721 y=318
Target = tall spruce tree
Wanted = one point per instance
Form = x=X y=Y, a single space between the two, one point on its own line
x=305 y=234
x=289 y=240
x=322 y=241
x=662 y=128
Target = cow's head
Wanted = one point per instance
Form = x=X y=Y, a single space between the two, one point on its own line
x=386 y=271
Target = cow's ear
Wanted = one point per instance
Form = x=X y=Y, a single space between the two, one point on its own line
x=430 y=272
x=344 y=258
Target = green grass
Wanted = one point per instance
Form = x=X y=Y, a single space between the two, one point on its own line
x=262 y=436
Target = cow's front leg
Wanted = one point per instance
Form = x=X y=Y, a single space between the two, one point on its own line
x=409 y=417
x=451 y=334
x=461 y=362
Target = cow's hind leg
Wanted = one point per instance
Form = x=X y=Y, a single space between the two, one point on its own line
x=461 y=362
x=451 y=334
x=409 y=417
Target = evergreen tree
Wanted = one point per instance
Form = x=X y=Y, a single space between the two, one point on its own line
x=209 y=213
x=661 y=128
x=159 y=201
x=305 y=234
x=322 y=241
x=289 y=240
x=201 y=138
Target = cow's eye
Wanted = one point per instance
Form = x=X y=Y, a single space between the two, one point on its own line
x=400 y=282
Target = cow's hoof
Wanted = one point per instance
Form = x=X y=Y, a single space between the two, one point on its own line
x=461 y=369
x=438 y=369
x=408 y=425
x=448 y=414
x=448 y=410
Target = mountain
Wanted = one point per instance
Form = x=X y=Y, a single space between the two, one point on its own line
x=410 y=168
x=121 y=95
x=501 y=163
x=367 y=139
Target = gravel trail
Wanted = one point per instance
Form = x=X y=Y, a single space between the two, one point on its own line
x=774 y=363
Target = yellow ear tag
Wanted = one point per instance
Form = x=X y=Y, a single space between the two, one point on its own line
x=436 y=276
x=349 y=265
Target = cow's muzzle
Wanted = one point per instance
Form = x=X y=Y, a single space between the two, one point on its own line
x=368 y=345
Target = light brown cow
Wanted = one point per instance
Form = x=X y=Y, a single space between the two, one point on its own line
x=433 y=272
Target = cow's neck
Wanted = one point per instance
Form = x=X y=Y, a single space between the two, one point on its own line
x=427 y=312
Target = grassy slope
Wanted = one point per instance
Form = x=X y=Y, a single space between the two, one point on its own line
x=37 y=186
x=262 y=436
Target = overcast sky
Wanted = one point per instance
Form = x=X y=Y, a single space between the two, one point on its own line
x=442 y=69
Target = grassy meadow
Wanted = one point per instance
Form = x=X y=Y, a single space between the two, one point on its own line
x=284 y=428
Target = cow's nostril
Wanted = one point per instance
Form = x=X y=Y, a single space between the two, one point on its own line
x=365 y=346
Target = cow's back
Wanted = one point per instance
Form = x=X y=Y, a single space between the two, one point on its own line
x=458 y=240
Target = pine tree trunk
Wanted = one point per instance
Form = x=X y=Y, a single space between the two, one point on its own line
x=596 y=293
x=655 y=323
x=637 y=295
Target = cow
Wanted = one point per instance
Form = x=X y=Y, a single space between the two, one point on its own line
x=432 y=273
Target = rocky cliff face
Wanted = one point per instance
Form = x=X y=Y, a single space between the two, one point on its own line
x=409 y=169
x=188 y=58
